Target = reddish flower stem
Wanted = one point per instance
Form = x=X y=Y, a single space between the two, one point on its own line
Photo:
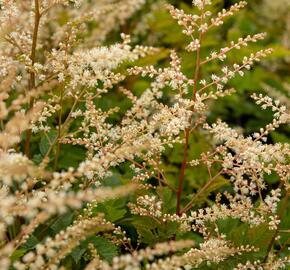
x=187 y=131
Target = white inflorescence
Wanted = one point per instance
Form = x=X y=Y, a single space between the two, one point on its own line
x=51 y=88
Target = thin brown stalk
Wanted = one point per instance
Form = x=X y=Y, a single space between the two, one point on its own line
x=31 y=83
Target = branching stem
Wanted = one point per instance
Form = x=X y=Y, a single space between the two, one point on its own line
x=187 y=131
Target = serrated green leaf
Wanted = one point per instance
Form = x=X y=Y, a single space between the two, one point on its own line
x=151 y=231
x=62 y=222
x=106 y=249
x=78 y=252
x=113 y=210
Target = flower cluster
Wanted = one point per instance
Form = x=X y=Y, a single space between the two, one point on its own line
x=63 y=146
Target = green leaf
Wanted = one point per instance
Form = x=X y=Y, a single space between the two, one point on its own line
x=78 y=252
x=215 y=185
x=106 y=249
x=31 y=242
x=46 y=141
x=153 y=58
x=37 y=158
x=17 y=254
x=279 y=137
x=71 y=156
x=62 y=222
x=114 y=214
x=273 y=178
x=113 y=210
x=151 y=231
x=242 y=234
x=112 y=181
x=169 y=200
x=147 y=229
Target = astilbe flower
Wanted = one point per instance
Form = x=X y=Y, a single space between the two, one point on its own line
x=252 y=158
x=213 y=250
x=132 y=261
x=53 y=250
x=36 y=206
x=48 y=72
